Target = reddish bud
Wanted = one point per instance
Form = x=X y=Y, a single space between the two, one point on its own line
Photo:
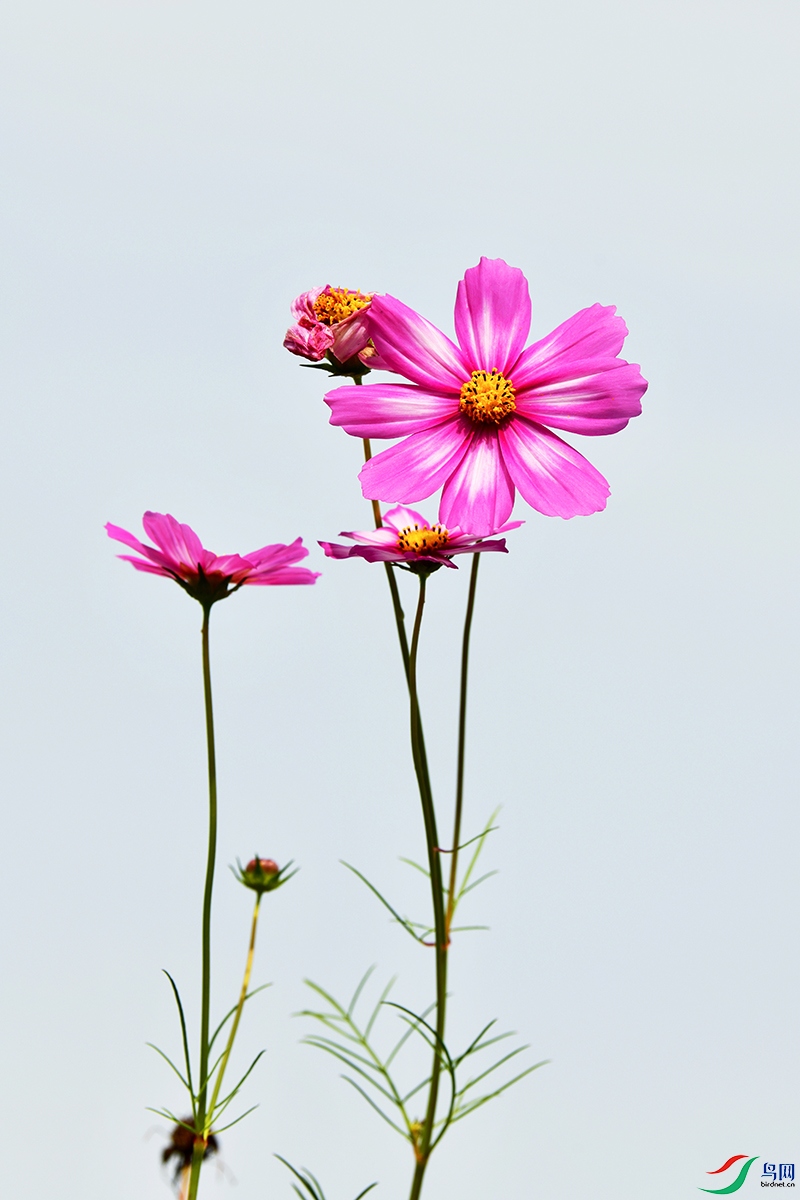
x=263 y=874
x=267 y=865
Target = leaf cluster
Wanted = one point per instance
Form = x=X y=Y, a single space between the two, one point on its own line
x=203 y=1084
x=419 y=930
x=312 y=1188
x=351 y=1042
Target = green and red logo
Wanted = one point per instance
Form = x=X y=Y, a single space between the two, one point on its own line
x=740 y=1177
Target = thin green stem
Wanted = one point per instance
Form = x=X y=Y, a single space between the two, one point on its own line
x=462 y=738
x=399 y=615
x=238 y=1015
x=202 y=1110
x=423 y=1142
x=376 y=508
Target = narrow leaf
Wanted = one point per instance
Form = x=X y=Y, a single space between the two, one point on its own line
x=172 y=1064
x=358 y=991
x=477 y=882
x=231 y=1124
x=228 y=1015
x=400 y=920
x=417 y=866
x=378 y=1007
x=403 y=1133
x=493 y=1067
x=485 y=1099
x=186 y=1054
x=406 y=1036
x=317 y=1195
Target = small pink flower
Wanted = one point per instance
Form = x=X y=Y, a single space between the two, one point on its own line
x=180 y=556
x=406 y=538
x=331 y=320
x=477 y=416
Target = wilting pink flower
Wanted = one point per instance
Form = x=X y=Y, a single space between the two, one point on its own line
x=407 y=538
x=178 y=554
x=476 y=417
x=334 y=320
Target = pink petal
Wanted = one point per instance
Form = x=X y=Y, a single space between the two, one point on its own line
x=415 y=348
x=142 y=564
x=402 y=517
x=552 y=476
x=493 y=315
x=179 y=542
x=290 y=575
x=334 y=550
x=370 y=358
x=303 y=306
x=458 y=538
x=382 y=538
x=229 y=564
x=278 y=554
x=479 y=495
x=596 y=396
x=122 y=535
x=386 y=410
x=308 y=341
x=418 y=466
x=351 y=335
x=128 y=539
x=369 y=553
x=477 y=547
x=594 y=332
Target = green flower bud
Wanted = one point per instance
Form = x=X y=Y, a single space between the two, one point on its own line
x=262 y=874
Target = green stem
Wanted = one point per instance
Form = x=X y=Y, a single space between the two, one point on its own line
x=238 y=1015
x=462 y=738
x=399 y=615
x=200 y=1124
x=423 y=1145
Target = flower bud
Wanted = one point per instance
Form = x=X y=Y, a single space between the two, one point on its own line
x=262 y=874
x=267 y=865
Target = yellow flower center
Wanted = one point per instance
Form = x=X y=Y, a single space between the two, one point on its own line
x=334 y=304
x=487 y=397
x=422 y=541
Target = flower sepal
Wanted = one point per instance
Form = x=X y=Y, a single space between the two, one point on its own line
x=263 y=874
x=423 y=566
x=353 y=368
x=208 y=589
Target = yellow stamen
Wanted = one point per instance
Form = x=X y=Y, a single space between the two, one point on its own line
x=487 y=397
x=334 y=304
x=422 y=541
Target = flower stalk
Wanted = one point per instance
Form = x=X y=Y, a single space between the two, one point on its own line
x=239 y=1007
x=462 y=740
x=399 y=615
x=203 y=1112
x=422 y=1146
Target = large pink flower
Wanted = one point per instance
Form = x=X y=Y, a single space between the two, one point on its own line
x=180 y=556
x=406 y=538
x=477 y=416
x=333 y=321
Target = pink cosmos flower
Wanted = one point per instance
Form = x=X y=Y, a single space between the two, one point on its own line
x=180 y=556
x=407 y=538
x=477 y=416
x=331 y=321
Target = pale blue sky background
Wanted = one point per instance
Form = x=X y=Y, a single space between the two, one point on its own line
x=174 y=173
